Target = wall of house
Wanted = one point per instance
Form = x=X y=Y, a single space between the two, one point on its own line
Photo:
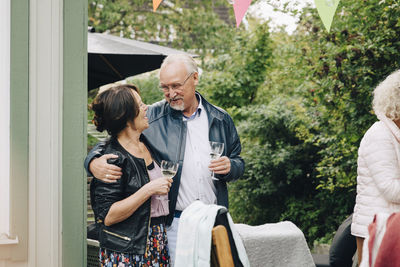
x=5 y=15
x=48 y=126
x=18 y=115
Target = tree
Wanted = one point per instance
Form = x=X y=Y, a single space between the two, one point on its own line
x=301 y=133
x=345 y=66
x=233 y=79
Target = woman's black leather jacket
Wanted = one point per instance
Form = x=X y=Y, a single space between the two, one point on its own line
x=130 y=235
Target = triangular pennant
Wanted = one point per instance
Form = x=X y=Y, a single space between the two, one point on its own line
x=240 y=7
x=326 y=10
x=156 y=3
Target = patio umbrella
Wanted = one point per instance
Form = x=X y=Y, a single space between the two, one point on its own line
x=112 y=58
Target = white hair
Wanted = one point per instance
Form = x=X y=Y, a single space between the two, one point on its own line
x=387 y=97
x=186 y=59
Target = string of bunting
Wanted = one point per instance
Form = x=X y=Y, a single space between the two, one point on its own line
x=326 y=10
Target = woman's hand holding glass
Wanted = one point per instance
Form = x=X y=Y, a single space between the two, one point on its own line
x=168 y=170
x=159 y=186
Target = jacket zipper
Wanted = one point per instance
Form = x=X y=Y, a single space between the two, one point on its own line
x=148 y=225
x=117 y=235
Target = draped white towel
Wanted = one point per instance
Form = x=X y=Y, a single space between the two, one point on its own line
x=193 y=245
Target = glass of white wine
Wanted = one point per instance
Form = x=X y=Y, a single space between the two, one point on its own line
x=168 y=170
x=216 y=152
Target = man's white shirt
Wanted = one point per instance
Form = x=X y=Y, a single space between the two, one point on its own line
x=196 y=182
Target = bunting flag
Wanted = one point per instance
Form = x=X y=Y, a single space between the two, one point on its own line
x=240 y=7
x=326 y=10
x=156 y=3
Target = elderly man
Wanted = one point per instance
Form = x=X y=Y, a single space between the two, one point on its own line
x=181 y=127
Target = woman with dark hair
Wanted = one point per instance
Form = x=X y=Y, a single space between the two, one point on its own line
x=129 y=215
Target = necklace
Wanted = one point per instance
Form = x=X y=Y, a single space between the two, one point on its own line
x=127 y=144
x=138 y=150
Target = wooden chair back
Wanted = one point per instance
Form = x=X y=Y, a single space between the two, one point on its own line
x=221 y=254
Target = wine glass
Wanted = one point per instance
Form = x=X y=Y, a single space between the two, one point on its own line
x=216 y=151
x=168 y=170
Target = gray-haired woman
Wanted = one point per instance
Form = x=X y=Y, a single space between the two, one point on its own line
x=378 y=171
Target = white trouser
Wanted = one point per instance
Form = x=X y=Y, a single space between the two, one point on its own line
x=172 y=235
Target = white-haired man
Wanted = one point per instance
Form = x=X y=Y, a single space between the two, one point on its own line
x=181 y=127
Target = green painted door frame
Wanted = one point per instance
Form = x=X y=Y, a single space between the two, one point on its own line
x=74 y=130
x=19 y=127
x=74 y=133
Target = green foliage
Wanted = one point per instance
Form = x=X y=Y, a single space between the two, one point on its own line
x=332 y=75
x=232 y=80
x=345 y=65
x=91 y=96
x=148 y=86
x=312 y=105
x=91 y=142
x=279 y=181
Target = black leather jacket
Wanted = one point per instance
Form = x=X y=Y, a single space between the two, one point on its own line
x=130 y=235
x=166 y=137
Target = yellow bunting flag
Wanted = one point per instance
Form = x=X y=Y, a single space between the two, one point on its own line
x=326 y=10
x=156 y=3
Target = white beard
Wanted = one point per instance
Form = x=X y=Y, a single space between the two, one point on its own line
x=180 y=107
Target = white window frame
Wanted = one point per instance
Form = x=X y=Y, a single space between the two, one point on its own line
x=5 y=26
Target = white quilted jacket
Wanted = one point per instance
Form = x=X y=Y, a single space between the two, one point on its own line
x=378 y=180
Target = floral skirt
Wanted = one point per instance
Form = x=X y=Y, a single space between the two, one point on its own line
x=156 y=254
